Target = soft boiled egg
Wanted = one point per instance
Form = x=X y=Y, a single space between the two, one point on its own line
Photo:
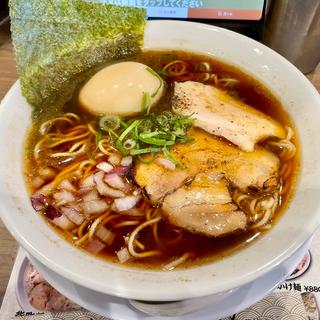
x=121 y=89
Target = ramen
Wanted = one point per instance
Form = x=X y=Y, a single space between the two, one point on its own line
x=166 y=160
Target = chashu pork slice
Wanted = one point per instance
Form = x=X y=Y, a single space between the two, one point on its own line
x=207 y=153
x=204 y=206
x=220 y=114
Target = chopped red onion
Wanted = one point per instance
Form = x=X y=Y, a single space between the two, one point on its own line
x=91 y=195
x=94 y=246
x=115 y=181
x=124 y=255
x=63 y=222
x=166 y=163
x=39 y=202
x=104 y=166
x=37 y=182
x=126 y=161
x=62 y=197
x=75 y=206
x=121 y=171
x=104 y=189
x=51 y=212
x=46 y=189
x=87 y=182
x=47 y=173
x=83 y=191
x=73 y=215
x=105 y=235
x=94 y=206
x=67 y=185
x=114 y=159
x=113 y=193
x=126 y=203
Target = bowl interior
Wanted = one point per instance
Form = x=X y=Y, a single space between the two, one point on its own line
x=297 y=224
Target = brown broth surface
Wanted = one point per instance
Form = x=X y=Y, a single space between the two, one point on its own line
x=174 y=244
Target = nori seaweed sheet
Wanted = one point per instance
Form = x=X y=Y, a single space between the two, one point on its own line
x=57 y=42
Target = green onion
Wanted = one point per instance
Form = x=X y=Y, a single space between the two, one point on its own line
x=146 y=102
x=185 y=139
x=164 y=122
x=99 y=137
x=123 y=124
x=128 y=129
x=146 y=125
x=156 y=142
x=179 y=132
x=184 y=121
x=147 y=161
x=129 y=144
x=158 y=77
x=111 y=132
x=109 y=122
x=135 y=152
x=150 y=133
x=170 y=157
x=163 y=73
x=121 y=148
x=170 y=116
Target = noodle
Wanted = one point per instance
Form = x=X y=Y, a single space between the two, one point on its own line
x=155 y=234
x=81 y=146
x=204 y=66
x=37 y=148
x=67 y=170
x=82 y=240
x=134 y=234
x=125 y=224
x=109 y=218
x=214 y=78
x=264 y=220
x=178 y=70
x=48 y=125
x=92 y=129
x=284 y=189
x=64 y=140
x=203 y=77
x=175 y=68
x=139 y=244
x=252 y=207
x=261 y=208
x=173 y=264
x=227 y=82
x=86 y=163
x=286 y=147
x=81 y=228
x=102 y=148
x=80 y=128
x=96 y=223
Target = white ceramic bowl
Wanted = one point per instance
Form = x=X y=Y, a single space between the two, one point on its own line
x=298 y=223
x=216 y=306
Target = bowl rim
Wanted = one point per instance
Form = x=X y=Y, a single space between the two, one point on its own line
x=137 y=293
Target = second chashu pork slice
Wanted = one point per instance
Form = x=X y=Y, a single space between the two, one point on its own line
x=204 y=206
x=220 y=114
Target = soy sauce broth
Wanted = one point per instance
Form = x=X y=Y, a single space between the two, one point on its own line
x=175 y=242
